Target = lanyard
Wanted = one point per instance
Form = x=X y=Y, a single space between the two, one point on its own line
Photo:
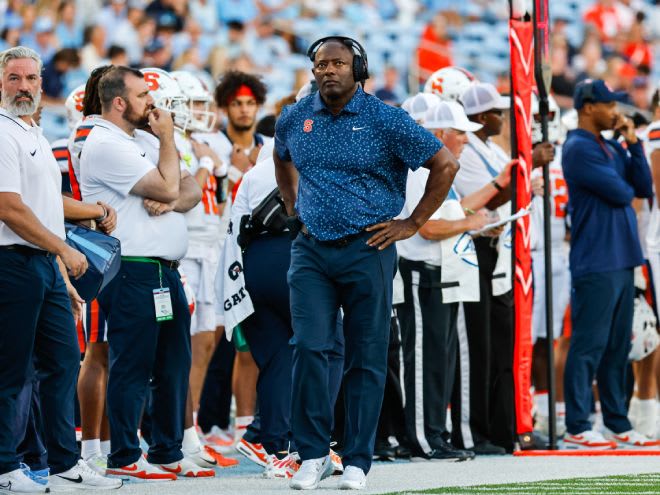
x=490 y=169
x=139 y=259
x=452 y=193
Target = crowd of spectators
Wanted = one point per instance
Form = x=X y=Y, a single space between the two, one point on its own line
x=617 y=40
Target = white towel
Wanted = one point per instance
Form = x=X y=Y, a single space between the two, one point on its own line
x=232 y=299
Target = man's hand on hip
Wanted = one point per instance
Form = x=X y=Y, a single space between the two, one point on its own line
x=387 y=233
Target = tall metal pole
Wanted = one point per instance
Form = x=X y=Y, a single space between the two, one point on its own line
x=543 y=76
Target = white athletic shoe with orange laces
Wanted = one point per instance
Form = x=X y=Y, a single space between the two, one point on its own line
x=186 y=468
x=589 y=439
x=217 y=438
x=336 y=463
x=631 y=439
x=282 y=468
x=253 y=451
x=141 y=470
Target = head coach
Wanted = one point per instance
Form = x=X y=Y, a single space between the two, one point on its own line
x=342 y=158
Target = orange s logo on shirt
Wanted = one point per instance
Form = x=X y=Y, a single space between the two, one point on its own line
x=560 y=196
x=78 y=100
x=151 y=78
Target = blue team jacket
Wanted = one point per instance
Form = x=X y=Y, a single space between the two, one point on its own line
x=603 y=178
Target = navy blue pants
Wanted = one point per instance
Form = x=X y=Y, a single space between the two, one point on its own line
x=31 y=449
x=602 y=313
x=322 y=279
x=268 y=331
x=37 y=332
x=145 y=353
x=215 y=401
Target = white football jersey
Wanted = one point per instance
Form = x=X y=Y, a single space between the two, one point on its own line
x=558 y=208
x=651 y=145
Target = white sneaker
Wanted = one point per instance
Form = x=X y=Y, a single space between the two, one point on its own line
x=186 y=468
x=201 y=458
x=542 y=425
x=141 y=470
x=589 y=439
x=353 y=479
x=81 y=477
x=98 y=463
x=311 y=472
x=281 y=468
x=337 y=466
x=17 y=482
x=631 y=438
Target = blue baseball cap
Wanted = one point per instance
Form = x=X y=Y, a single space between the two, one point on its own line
x=595 y=91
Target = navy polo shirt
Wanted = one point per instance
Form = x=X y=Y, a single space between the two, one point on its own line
x=603 y=178
x=352 y=166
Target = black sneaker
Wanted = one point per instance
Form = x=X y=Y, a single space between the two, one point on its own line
x=444 y=451
x=383 y=451
x=402 y=452
x=487 y=448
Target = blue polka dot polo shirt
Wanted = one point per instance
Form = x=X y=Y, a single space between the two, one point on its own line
x=352 y=166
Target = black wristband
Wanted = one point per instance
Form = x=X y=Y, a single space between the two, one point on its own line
x=496 y=185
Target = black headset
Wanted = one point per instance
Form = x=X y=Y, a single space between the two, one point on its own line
x=360 y=62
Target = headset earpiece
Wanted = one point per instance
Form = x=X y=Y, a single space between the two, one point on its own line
x=360 y=62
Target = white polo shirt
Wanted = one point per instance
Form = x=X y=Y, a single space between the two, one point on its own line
x=111 y=163
x=474 y=173
x=28 y=168
x=416 y=248
x=480 y=163
x=456 y=255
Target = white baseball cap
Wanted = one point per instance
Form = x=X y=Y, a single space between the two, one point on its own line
x=481 y=97
x=417 y=105
x=449 y=115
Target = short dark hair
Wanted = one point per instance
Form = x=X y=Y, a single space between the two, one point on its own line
x=655 y=100
x=91 y=101
x=68 y=55
x=116 y=50
x=232 y=81
x=113 y=84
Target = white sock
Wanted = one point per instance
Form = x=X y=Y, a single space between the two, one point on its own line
x=90 y=448
x=105 y=447
x=541 y=401
x=560 y=407
x=243 y=421
x=190 y=440
x=240 y=426
x=646 y=422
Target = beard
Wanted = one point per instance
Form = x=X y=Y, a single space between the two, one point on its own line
x=21 y=108
x=242 y=126
x=134 y=118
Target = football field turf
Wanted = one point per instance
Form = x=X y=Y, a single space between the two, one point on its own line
x=484 y=475
x=634 y=484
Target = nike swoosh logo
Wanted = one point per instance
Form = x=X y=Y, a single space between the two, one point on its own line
x=133 y=467
x=175 y=471
x=73 y=480
x=359 y=128
x=143 y=154
x=623 y=439
x=32 y=153
x=7 y=486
